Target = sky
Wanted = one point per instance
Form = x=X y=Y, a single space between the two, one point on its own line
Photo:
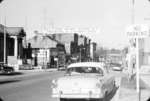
x=104 y=21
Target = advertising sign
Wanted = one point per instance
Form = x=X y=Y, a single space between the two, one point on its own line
x=137 y=31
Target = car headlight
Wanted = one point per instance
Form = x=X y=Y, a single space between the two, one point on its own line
x=90 y=93
x=98 y=85
x=54 y=83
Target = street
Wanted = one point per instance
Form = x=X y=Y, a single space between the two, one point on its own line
x=32 y=88
x=35 y=87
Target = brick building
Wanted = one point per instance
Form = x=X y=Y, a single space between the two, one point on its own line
x=77 y=46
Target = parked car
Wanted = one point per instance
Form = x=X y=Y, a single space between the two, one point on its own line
x=85 y=80
x=116 y=67
x=26 y=67
x=6 y=69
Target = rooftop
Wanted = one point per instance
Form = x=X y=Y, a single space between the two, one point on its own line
x=12 y=31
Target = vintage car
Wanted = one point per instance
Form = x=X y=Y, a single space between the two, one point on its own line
x=116 y=66
x=5 y=69
x=85 y=80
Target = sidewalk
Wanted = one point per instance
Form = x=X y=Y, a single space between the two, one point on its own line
x=128 y=90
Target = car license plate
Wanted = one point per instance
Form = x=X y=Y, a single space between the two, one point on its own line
x=75 y=91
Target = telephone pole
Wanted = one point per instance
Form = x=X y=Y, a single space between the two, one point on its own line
x=5 y=41
x=137 y=54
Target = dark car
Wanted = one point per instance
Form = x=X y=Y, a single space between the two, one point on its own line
x=6 y=69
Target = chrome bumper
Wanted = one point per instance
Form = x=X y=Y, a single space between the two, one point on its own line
x=81 y=94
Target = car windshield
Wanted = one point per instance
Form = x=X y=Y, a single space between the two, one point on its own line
x=79 y=70
x=115 y=64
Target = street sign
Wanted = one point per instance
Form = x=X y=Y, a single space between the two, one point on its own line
x=137 y=31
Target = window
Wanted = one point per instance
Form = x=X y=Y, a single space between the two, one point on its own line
x=85 y=70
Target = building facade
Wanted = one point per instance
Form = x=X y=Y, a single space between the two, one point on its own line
x=46 y=51
x=67 y=39
x=14 y=45
x=93 y=51
x=77 y=46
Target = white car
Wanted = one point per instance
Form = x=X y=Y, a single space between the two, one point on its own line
x=85 y=80
x=116 y=67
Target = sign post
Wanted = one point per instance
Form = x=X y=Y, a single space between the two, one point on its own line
x=137 y=32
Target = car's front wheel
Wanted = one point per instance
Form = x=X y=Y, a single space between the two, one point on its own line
x=95 y=100
x=106 y=94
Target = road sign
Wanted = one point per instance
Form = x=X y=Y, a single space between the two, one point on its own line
x=137 y=31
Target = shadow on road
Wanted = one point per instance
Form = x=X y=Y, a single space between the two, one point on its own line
x=11 y=74
x=148 y=99
x=1 y=99
x=108 y=97
x=8 y=81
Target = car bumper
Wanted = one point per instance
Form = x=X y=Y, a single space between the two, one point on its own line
x=78 y=94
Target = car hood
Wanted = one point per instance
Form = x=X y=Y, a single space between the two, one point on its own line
x=79 y=81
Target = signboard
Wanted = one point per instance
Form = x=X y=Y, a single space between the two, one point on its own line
x=12 y=60
x=137 y=31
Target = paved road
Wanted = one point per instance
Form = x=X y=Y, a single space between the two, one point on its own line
x=29 y=88
x=35 y=88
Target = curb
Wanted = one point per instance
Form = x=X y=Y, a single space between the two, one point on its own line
x=128 y=91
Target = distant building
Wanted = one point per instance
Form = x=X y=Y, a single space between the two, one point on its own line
x=81 y=40
x=77 y=46
x=67 y=39
x=45 y=49
x=14 y=44
x=40 y=46
x=84 y=48
x=115 y=56
x=146 y=51
x=93 y=51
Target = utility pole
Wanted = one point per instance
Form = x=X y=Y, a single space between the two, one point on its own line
x=5 y=41
x=137 y=69
x=133 y=12
x=4 y=58
x=26 y=28
x=137 y=54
